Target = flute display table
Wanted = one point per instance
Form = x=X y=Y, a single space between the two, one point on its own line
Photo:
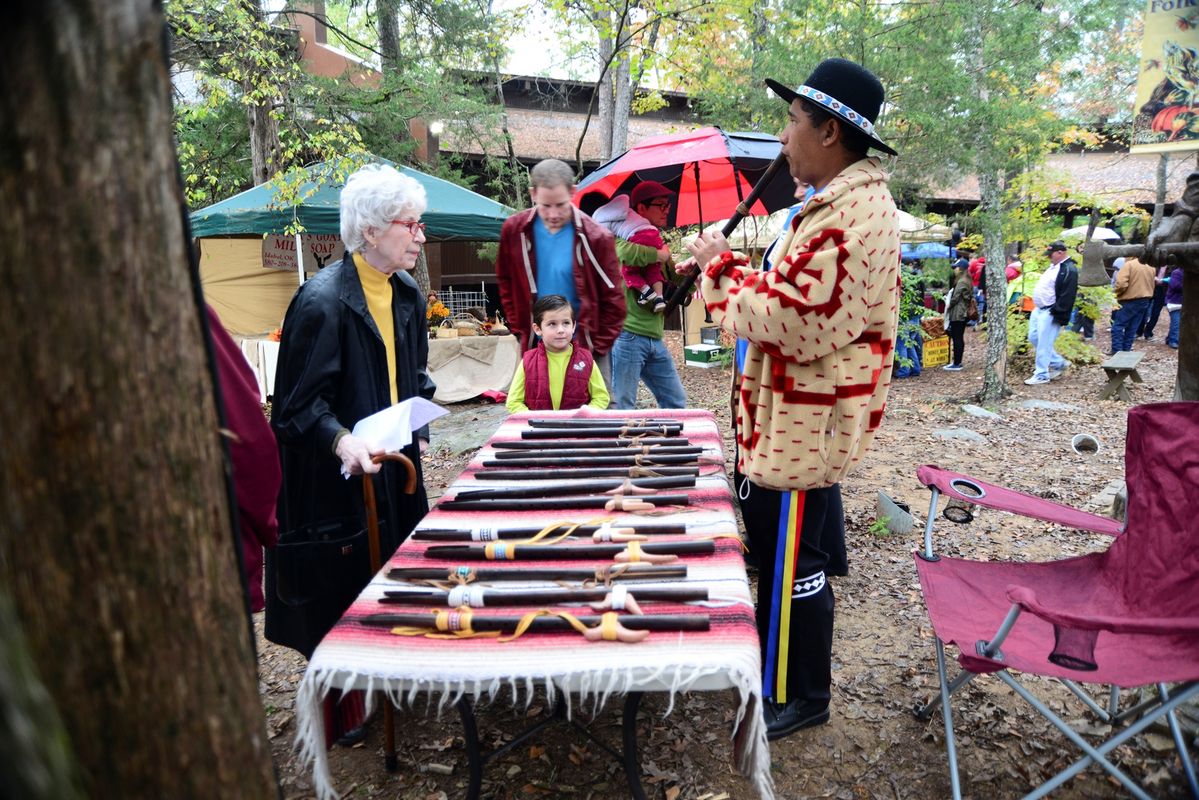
x=570 y=669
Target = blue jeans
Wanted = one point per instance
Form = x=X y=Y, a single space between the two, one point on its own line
x=638 y=358
x=1126 y=320
x=1175 y=325
x=1042 y=333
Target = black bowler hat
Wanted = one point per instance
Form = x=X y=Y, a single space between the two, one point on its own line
x=848 y=91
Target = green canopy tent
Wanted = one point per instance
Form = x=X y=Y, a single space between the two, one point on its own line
x=250 y=270
x=454 y=213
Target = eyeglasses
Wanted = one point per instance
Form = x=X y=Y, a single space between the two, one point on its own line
x=662 y=204
x=412 y=227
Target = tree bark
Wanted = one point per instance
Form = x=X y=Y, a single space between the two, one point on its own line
x=603 y=87
x=991 y=204
x=264 y=128
x=389 y=35
x=115 y=535
x=622 y=102
x=1159 y=202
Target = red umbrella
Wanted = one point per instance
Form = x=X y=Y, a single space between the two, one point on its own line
x=711 y=172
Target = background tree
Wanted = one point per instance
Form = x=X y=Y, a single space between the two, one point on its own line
x=115 y=537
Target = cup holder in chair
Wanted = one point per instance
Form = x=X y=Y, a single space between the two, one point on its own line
x=958 y=510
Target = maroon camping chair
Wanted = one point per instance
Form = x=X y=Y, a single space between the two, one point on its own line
x=1126 y=617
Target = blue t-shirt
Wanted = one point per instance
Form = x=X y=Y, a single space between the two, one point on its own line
x=555 y=261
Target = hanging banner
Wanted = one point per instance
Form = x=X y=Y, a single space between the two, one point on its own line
x=320 y=250
x=1167 y=107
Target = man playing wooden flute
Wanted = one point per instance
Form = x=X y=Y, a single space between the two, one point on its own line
x=820 y=328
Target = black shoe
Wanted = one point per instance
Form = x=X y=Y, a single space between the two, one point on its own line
x=795 y=716
x=352 y=737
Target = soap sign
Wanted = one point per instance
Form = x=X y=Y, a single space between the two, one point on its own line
x=319 y=251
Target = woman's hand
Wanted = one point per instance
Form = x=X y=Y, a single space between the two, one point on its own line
x=664 y=255
x=355 y=455
x=708 y=246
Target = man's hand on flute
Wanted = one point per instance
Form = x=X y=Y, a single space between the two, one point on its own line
x=707 y=246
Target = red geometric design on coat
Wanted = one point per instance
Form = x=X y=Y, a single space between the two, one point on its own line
x=794 y=266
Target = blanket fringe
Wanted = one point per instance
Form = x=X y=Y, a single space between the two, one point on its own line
x=588 y=688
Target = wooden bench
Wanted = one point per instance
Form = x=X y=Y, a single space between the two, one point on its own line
x=1119 y=367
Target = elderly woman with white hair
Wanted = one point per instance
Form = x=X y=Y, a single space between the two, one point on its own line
x=354 y=342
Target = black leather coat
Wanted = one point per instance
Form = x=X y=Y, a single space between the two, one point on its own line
x=332 y=372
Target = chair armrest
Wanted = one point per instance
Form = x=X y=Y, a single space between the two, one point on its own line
x=1026 y=598
x=997 y=497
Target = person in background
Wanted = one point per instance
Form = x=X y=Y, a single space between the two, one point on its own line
x=1174 y=306
x=957 y=311
x=626 y=216
x=1156 y=304
x=554 y=248
x=557 y=374
x=820 y=328
x=639 y=354
x=1134 y=293
x=1053 y=300
x=254 y=456
x=355 y=341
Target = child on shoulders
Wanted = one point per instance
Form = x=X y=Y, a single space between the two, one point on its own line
x=557 y=374
x=637 y=218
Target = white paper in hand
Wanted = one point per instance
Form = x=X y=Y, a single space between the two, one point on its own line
x=391 y=429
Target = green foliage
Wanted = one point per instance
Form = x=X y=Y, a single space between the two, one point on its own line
x=1095 y=301
x=239 y=62
x=1075 y=349
x=879 y=528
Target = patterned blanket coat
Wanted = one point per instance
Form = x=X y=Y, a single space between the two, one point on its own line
x=821 y=330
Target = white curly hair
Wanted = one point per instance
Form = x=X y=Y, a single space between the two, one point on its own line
x=373 y=197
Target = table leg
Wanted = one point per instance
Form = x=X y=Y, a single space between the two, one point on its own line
x=474 y=753
x=1114 y=381
x=390 y=762
x=632 y=765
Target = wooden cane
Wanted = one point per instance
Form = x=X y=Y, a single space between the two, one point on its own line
x=741 y=213
x=390 y=762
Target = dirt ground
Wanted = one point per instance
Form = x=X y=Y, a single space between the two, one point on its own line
x=873 y=746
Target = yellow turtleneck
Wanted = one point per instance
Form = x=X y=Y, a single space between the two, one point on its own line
x=377 y=288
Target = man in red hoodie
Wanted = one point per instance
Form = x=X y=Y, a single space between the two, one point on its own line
x=553 y=248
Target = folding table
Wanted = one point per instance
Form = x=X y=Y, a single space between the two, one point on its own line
x=568 y=668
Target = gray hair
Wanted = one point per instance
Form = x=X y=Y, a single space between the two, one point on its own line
x=373 y=197
x=550 y=173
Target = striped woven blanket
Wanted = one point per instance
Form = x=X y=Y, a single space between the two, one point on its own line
x=355 y=656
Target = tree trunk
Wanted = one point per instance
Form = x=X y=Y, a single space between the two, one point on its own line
x=1159 y=203
x=622 y=102
x=38 y=761
x=389 y=35
x=603 y=89
x=264 y=128
x=115 y=537
x=991 y=204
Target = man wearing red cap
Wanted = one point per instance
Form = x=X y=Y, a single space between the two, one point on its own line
x=820 y=328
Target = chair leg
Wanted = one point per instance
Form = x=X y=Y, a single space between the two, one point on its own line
x=1093 y=755
x=955 y=784
x=925 y=713
x=1180 y=742
x=1184 y=694
x=1088 y=701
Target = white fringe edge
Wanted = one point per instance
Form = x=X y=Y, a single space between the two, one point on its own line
x=753 y=761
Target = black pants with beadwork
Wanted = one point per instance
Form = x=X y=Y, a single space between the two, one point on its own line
x=799 y=538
